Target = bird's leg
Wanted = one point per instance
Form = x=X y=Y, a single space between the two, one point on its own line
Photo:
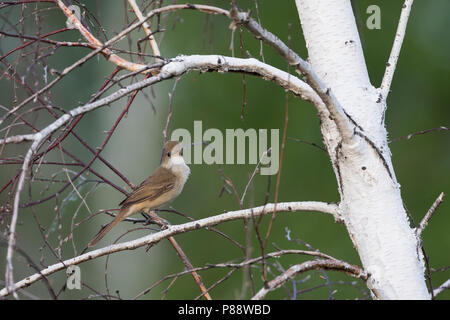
x=152 y=217
x=146 y=217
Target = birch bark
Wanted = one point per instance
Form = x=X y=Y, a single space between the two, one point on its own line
x=371 y=202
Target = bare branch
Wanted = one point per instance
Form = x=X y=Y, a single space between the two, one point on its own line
x=327 y=264
x=235 y=266
x=18 y=139
x=442 y=287
x=409 y=136
x=301 y=66
x=146 y=28
x=423 y=224
x=395 y=52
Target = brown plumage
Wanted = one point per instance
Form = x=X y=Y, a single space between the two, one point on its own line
x=162 y=186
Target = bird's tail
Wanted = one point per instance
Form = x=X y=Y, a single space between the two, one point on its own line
x=124 y=212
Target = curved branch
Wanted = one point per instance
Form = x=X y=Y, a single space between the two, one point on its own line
x=326 y=264
x=109 y=55
x=172 y=230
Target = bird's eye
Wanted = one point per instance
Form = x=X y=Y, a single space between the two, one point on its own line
x=181 y=152
x=168 y=154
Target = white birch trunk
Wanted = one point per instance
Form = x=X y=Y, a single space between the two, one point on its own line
x=371 y=203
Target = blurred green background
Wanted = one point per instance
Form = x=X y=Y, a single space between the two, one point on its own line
x=419 y=100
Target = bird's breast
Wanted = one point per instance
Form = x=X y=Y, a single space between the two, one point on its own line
x=182 y=171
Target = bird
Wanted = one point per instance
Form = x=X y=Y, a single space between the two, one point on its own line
x=162 y=186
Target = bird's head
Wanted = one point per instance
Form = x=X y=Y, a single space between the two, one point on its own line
x=172 y=154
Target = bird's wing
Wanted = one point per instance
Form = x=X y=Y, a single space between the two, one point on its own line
x=159 y=182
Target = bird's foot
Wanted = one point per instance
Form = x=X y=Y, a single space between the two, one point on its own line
x=152 y=218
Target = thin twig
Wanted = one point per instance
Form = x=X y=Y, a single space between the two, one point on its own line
x=395 y=52
x=442 y=287
x=122 y=63
x=301 y=66
x=423 y=224
x=277 y=186
x=169 y=112
x=409 y=136
x=264 y=154
x=310 y=143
